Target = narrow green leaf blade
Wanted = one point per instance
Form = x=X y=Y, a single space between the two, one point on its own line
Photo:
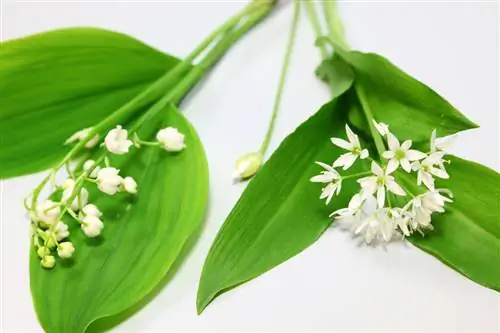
x=142 y=238
x=396 y=98
x=467 y=236
x=55 y=83
x=279 y=213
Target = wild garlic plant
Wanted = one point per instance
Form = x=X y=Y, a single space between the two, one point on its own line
x=50 y=233
x=371 y=213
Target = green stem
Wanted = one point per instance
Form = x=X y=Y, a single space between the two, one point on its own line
x=379 y=143
x=282 y=80
x=357 y=175
x=254 y=12
x=313 y=18
x=335 y=26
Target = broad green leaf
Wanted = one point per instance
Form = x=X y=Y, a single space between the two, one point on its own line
x=142 y=238
x=55 y=83
x=279 y=213
x=396 y=98
x=467 y=236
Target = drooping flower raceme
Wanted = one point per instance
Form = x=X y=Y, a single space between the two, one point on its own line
x=371 y=213
x=49 y=233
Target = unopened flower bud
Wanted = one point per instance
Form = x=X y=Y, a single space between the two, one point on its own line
x=48 y=262
x=42 y=252
x=247 y=165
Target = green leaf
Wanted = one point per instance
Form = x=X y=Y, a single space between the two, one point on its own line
x=279 y=213
x=337 y=73
x=56 y=83
x=467 y=236
x=410 y=107
x=142 y=238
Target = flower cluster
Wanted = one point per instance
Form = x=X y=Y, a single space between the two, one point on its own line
x=370 y=212
x=50 y=233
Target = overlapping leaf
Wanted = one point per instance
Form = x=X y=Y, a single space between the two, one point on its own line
x=141 y=240
x=55 y=83
x=279 y=214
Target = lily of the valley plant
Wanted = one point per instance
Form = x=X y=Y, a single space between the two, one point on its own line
x=49 y=231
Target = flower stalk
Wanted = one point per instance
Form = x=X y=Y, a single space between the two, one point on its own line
x=46 y=216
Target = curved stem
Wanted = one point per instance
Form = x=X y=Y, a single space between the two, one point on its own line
x=313 y=18
x=284 y=71
x=357 y=175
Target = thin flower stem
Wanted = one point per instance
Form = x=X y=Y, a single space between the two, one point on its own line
x=335 y=25
x=313 y=18
x=282 y=80
x=357 y=175
x=379 y=143
x=155 y=90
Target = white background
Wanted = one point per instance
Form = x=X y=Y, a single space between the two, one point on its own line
x=334 y=285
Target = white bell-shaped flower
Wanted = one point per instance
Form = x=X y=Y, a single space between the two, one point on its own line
x=117 y=142
x=129 y=185
x=65 y=249
x=89 y=164
x=47 y=212
x=91 y=209
x=43 y=252
x=60 y=231
x=92 y=226
x=171 y=139
x=82 y=135
x=109 y=180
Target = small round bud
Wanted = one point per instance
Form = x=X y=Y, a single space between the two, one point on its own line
x=129 y=185
x=42 y=252
x=247 y=165
x=65 y=250
x=48 y=262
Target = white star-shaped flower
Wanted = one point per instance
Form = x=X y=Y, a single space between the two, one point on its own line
x=376 y=226
x=353 y=146
x=332 y=178
x=441 y=144
x=382 y=128
x=401 y=154
x=379 y=183
x=426 y=170
x=117 y=142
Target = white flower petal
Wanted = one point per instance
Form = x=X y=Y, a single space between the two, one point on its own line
x=328 y=168
x=405 y=164
x=406 y=145
x=415 y=155
x=392 y=141
x=342 y=143
x=395 y=188
x=392 y=166
x=353 y=138
x=439 y=173
x=380 y=196
x=427 y=180
x=388 y=154
x=376 y=169
x=364 y=154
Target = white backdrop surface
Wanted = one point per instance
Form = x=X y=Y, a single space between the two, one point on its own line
x=335 y=285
